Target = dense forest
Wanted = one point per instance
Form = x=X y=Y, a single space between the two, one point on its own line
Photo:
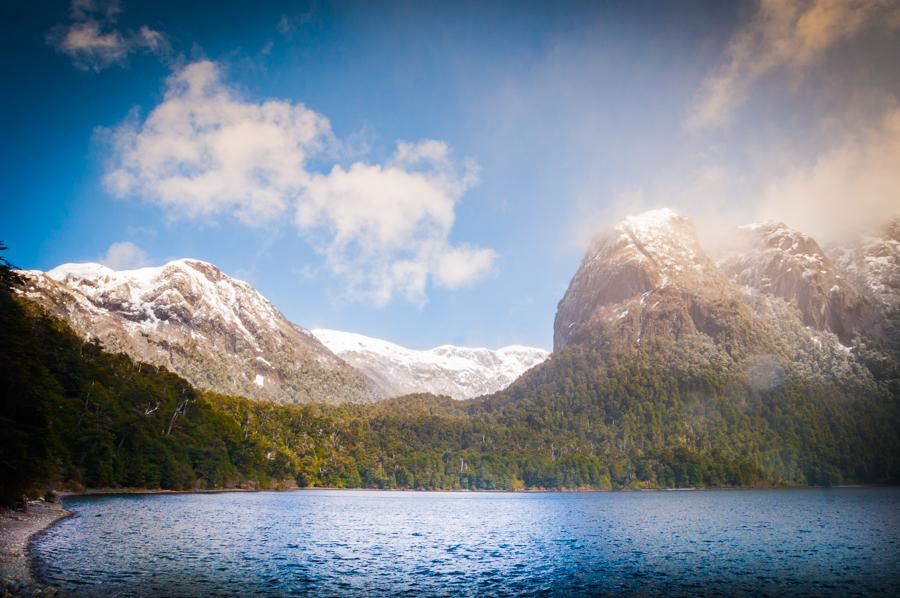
x=75 y=416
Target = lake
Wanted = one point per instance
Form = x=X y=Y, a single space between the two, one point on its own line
x=321 y=542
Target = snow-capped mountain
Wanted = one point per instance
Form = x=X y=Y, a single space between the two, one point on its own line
x=780 y=298
x=216 y=331
x=459 y=372
x=221 y=334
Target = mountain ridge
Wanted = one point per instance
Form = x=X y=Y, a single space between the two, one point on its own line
x=643 y=278
x=187 y=315
x=680 y=376
x=648 y=276
x=458 y=372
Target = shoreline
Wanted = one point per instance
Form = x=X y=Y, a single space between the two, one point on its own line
x=18 y=530
x=155 y=491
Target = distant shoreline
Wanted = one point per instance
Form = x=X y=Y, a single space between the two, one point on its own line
x=154 y=491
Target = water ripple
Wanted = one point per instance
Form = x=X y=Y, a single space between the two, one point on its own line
x=799 y=542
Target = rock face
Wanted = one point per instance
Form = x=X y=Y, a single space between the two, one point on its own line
x=216 y=331
x=873 y=265
x=647 y=278
x=458 y=372
x=780 y=297
x=785 y=263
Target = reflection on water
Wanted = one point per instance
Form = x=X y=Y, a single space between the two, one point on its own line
x=362 y=542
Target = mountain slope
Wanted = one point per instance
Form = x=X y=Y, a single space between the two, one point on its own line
x=735 y=391
x=873 y=264
x=216 y=331
x=458 y=372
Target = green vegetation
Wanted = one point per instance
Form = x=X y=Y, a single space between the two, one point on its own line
x=73 y=415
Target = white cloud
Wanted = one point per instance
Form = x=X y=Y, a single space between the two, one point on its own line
x=384 y=228
x=202 y=151
x=848 y=189
x=459 y=266
x=93 y=42
x=125 y=255
x=783 y=35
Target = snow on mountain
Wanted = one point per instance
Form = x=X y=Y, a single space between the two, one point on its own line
x=216 y=331
x=777 y=296
x=873 y=264
x=786 y=263
x=665 y=239
x=459 y=372
x=639 y=280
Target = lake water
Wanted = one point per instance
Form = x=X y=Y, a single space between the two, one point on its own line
x=837 y=541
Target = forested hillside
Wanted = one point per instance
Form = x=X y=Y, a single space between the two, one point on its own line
x=76 y=416
x=670 y=415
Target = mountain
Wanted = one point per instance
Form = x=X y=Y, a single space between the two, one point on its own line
x=77 y=416
x=710 y=379
x=458 y=372
x=216 y=331
x=673 y=366
x=648 y=278
x=781 y=262
x=873 y=265
x=776 y=295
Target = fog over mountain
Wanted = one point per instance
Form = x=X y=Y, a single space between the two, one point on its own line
x=775 y=300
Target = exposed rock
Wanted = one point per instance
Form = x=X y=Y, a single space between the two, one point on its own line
x=785 y=263
x=873 y=264
x=779 y=301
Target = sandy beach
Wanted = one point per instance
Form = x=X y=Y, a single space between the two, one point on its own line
x=16 y=530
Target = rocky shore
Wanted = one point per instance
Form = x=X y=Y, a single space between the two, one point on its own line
x=16 y=530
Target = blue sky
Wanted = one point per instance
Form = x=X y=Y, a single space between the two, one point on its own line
x=429 y=173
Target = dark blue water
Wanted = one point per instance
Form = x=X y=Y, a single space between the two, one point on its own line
x=840 y=541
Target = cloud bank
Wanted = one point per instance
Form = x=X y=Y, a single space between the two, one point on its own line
x=383 y=228
x=849 y=189
x=783 y=35
x=93 y=41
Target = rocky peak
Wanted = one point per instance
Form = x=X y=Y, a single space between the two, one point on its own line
x=646 y=276
x=664 y=240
